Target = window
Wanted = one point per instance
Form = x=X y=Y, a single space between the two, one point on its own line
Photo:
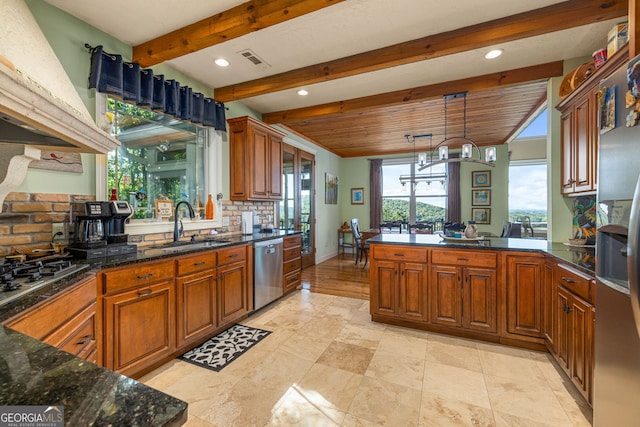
x=160 y=158
x=411 y=203
x=528 y=192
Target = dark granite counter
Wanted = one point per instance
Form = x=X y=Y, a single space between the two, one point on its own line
x=583 y=258
x=34 y=373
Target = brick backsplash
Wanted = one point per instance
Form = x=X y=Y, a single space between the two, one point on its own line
x=26 y=220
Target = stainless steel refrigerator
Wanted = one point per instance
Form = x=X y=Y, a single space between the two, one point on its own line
x=616 y=399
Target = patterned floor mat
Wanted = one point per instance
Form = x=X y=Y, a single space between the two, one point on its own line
x=225 y=347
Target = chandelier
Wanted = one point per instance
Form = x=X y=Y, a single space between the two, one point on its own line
x=440 y=153
x=420 y=161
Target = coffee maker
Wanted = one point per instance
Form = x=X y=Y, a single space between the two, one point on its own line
x=98 y=229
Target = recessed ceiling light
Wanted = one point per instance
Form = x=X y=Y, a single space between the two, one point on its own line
x=493 y=53
x=303 y=92
x=221 y=62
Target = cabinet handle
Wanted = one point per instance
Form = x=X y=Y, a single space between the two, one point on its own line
x=463 y=259
x=196 y=264
x=233 y=255
x=145 y=292
x=84 y=339
x=145 y=276
x=568 y=280
x=398 y=254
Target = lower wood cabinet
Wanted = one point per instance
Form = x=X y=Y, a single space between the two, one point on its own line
x=292 y=263
x=235 y=296
x=524 y=274
x=464 y=294
x=399 y=283
x=197 y=308
x=574 y=328
x=66 y=321
x=139 y=323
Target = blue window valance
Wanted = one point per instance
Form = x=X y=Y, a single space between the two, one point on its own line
x=128 y=81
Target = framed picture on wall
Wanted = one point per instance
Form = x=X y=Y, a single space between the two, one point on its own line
x=481 y=215
x=481 y=179
x=357 y=196
x=330 y=189
x=481 y=197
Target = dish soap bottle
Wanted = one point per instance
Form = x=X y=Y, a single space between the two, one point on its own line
x=208 y=211
x=471 y=232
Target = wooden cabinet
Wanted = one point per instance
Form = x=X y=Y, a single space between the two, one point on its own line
x=255 y=152
x=524 y=273
x=579 y=133
x=574 y=326
x=196 y=282
x=234 y=297
x=464 y=292
x=549 y=319
x=399 y=282
x=66 y=321
x=138 y=321
x=292 y=262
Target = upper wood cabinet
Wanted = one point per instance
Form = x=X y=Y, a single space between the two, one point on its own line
x=255 y=156
x=579 y=134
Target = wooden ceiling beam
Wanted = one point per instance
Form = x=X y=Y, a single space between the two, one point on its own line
x=246 y=18
x=559 y=16
x=504 y=78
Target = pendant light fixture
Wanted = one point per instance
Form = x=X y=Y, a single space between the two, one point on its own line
x=470 y=152
x=421 y=163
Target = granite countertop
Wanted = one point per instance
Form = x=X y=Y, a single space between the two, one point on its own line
x=34 y=373
x=583 y=258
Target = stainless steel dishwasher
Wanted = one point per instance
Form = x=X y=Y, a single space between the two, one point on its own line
x=267 y=277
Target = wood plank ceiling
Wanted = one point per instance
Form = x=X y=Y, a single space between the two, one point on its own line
x=497 y=106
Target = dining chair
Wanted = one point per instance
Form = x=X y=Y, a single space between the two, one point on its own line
x=527 y=228
x=506 y=229
x=391 y=227
x=362 y=248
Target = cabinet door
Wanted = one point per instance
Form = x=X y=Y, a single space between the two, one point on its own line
x=524 y=295
x=274 y=167
x=549 y=308
x=233 y=296
x=479 y=308
x=580 y=363
x=139 y=327
x=384 y=279
x=260 y=162
x=563 y=331
x=582 y=146
x=197 y=310
x=445 y=295
x=413 y=291
x=238 y=180
x=566 y=151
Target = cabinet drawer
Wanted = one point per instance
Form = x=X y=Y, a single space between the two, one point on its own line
x=290 y=266
x=399 y=253
x=78 y=335
x=235 y=254
x=291 y=281
x=44 y=318
x=195 y=263
x=465 y=258
x=574 y=281
x=136 y=275
x=291 y=253
x=289 y=242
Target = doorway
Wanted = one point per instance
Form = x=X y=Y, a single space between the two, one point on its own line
x=297 y=209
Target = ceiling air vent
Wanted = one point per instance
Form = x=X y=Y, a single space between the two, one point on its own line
x=255 y=59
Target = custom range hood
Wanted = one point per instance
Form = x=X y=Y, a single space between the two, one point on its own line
x=39 y=105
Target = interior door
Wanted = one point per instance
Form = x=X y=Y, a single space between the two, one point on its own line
x=297 y=209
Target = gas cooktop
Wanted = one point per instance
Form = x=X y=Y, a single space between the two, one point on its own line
x=20 y=278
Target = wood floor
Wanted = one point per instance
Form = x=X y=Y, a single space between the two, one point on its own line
x=338 y=276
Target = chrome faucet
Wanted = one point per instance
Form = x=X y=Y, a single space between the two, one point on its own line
x=178 y=231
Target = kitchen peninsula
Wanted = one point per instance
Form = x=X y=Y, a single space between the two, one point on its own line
x=519 y=292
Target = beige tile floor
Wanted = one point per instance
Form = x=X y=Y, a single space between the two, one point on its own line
x=327 y=364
